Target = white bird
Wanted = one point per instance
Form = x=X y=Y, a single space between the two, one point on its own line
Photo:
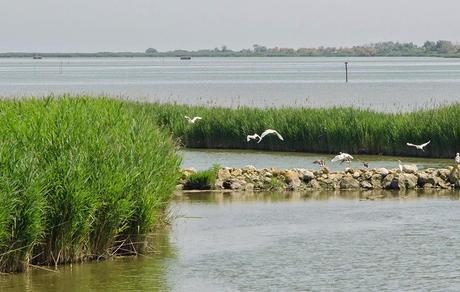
x=342 y=157
x=252 y=137
x=420 y=147
x=457 y=158
x=270 y=131
x=192 y=121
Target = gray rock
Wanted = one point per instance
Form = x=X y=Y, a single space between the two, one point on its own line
x=307 y=176
x=383 y=172
x=366 y=185
x=313 y=184
x=349 y=183
x=422 y=179
x=407 y=181
x=443 y=173
x=409 y=168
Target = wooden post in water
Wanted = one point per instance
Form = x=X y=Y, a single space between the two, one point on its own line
x=346 y=72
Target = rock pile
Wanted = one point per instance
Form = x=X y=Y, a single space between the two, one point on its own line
x=250 y=178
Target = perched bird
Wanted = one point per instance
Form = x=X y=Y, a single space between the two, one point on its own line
x=192 y=121
x=268 y=132
x=320 y=162
x=420 y=147
x=365 y=164
x=252 y=137
x=457 y=158
x=409 y=168
x=342 y=157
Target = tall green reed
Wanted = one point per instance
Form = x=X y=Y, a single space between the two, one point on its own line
x=77 y=177
x=324 y=130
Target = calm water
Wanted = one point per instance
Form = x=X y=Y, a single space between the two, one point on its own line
x=388 y=84
x=319 y=241
x=201 y=159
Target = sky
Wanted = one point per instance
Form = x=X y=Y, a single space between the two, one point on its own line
x=134 y=25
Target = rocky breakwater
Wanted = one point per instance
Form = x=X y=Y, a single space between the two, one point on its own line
x=250 y=178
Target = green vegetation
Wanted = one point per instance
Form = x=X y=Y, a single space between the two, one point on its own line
x=316 y=130
x=80 y=179
x=441 y=48
x=202 y=180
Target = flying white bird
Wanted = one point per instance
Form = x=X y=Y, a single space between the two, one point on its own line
x=342 y=157
x=192 y=121
x=420 y=147
x=457 y=158
x=252 y=137
x=270 y=131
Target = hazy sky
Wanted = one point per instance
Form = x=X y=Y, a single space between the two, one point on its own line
x=134 y=25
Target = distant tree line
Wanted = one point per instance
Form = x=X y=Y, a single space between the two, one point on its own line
x=441 y=48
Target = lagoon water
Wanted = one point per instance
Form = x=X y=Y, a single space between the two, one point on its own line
x=202 y=159
x=317 y=241
x=382 y=83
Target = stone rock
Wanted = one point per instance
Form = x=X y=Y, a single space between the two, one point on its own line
x=306 y=175
x=313 y=184
x=367 y=175
x=236 y=186
x=349 y=183
x=292 y=179
x=233 y=184
x=356 y=174
x=386 y=181
x=428 y=186
x=227 y=185
x=409 y=168
x=224 y=174
x=443 y=173
x=249 y=187
x=236 y=172
x=422 y=179
x=407 y=181
x=444 y=185
x=454 y=178
x=366 y=185
x=383 y=172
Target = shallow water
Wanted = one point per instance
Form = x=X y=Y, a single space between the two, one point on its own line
x=316 y=241
x=201 y=159
x=382 y=83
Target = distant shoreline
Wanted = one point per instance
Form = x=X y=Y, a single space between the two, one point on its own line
x=440 y=48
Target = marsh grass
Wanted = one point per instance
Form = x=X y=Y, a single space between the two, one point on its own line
x=202 y=180
x=79 y=176
x=319 y=130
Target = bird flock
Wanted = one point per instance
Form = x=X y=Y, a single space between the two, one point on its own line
x=340 y=158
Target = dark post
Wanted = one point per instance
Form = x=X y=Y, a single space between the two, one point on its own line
x=346 y=72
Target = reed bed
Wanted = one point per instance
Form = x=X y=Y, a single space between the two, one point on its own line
x=79 y=178
x=322 y=130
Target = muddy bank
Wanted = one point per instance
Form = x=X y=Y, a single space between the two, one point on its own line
x=266 y=179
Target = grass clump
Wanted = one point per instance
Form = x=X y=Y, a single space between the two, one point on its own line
x=202 y=180
x=78 y=177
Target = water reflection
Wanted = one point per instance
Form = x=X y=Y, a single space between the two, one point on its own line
x=205 y=158
x=228 y=197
